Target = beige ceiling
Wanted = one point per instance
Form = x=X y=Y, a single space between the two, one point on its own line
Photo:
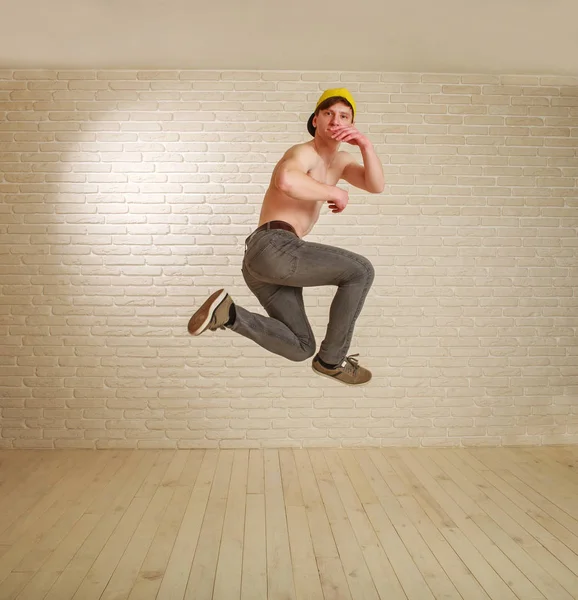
x=449 y=36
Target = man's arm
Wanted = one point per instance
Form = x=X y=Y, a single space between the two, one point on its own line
x=291 y=177
x=369 y=176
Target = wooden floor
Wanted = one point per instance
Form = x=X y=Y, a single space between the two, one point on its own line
x=280 y=524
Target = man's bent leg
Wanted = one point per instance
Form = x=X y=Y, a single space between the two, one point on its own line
x=308 y=264
x=346 y=306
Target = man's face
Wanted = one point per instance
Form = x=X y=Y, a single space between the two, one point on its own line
x=329 y=118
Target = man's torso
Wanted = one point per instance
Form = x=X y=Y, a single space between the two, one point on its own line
x=302 y=214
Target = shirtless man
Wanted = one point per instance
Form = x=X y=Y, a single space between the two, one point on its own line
x=278 y=263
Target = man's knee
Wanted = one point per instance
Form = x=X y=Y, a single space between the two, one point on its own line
x=302 y=353
x=365 y=270
x=370 y=271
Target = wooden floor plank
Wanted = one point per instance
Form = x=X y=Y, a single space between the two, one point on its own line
x=254 y=575
x=230 y=560
x=280 y=584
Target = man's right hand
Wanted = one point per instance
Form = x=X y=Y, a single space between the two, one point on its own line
x=338 y=201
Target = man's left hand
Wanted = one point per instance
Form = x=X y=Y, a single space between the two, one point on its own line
x=349 y=134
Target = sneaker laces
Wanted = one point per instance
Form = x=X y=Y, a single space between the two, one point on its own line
x=350 y=363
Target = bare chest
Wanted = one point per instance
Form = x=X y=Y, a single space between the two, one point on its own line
x=325 y=174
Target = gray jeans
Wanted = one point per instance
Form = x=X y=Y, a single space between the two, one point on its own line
x=277 y=266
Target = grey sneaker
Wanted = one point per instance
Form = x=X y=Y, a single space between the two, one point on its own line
x=349 y=371
x=213 y=314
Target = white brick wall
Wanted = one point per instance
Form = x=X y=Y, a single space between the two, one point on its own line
x=126 y=197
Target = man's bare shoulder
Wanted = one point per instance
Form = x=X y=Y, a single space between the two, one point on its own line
x=304 y=149
x=305 y=155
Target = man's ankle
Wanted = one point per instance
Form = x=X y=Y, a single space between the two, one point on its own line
x=325 y=364
x=232 y=316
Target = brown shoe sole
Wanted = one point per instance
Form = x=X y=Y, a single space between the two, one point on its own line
x=339 y=380
x=201 y=319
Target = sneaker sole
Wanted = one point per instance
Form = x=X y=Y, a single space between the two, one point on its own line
x=338 y=380
x=201 y=319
